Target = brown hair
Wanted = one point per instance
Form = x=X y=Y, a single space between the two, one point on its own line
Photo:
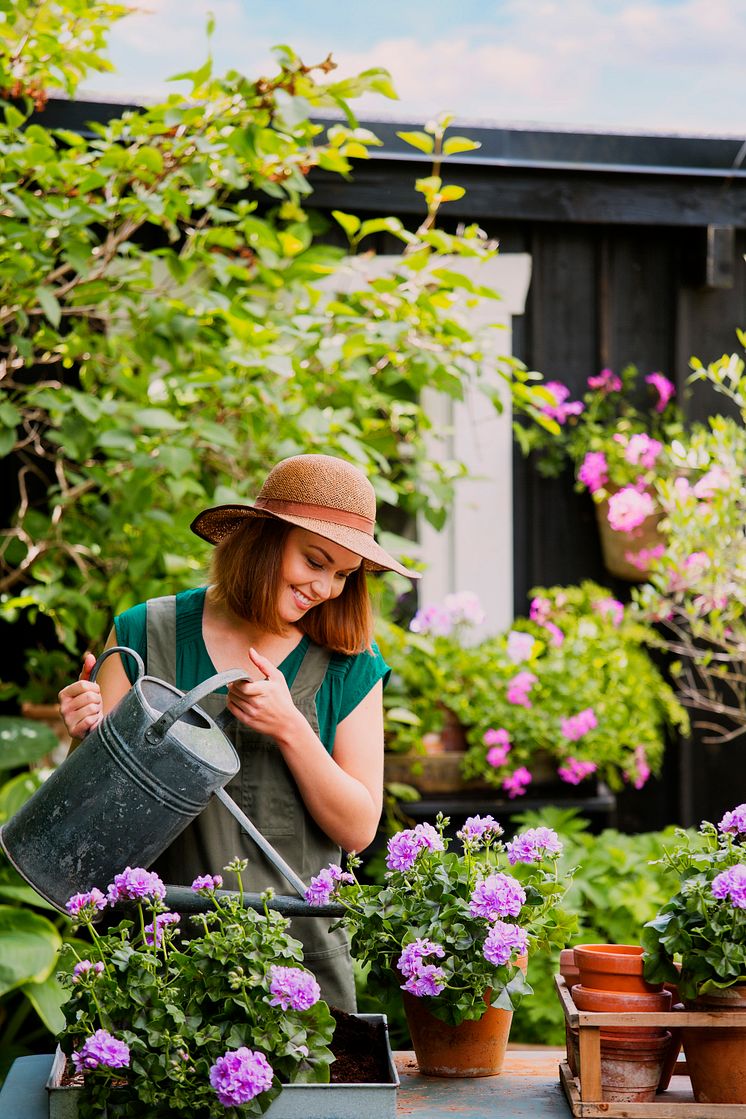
x=246 y=572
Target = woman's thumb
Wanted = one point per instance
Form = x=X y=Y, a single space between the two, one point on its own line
x=88 y=662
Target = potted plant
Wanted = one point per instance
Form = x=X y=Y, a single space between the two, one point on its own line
x=178 y=1017
x=617 y=451
x=698 y=941
x=569 y=693
x=697 y=588
x=452 y=930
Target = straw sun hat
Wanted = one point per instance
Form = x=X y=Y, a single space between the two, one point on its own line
x=323 y=494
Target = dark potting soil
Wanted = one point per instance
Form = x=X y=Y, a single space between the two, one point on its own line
x=360 y=1051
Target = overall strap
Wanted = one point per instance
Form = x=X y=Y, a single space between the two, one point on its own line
x=160 y=660
x=310 y=677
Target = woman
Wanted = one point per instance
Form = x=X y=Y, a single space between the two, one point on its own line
x=288 y=601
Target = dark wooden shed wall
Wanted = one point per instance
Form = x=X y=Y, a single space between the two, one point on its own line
x=618 y=228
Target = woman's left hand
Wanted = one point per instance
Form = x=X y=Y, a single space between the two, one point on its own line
x=266 y=704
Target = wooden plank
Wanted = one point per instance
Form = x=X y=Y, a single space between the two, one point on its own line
x=541 y=195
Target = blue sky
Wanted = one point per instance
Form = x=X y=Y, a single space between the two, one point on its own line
x=628 y=65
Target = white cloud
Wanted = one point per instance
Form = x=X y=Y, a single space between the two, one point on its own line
x=634 y=64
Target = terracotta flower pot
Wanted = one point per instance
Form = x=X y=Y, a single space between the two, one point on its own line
x=716 y=1057
x=623 y=1002
x=612 y=967
x=631 y=1068
x=469 y=1049
x=568 y=969
x=618 y=547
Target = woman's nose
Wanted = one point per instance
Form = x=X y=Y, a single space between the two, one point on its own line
x=322 y=584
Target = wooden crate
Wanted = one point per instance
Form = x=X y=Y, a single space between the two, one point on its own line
x=583 y=1091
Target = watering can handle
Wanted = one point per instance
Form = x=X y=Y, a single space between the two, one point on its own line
x=118 y=649
x=161 y=727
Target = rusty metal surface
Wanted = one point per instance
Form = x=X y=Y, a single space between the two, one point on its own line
x=527 y=1088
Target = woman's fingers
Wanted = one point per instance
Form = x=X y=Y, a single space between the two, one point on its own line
x=81 y=707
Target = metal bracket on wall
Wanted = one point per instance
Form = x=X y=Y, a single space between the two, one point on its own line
x=720 y=257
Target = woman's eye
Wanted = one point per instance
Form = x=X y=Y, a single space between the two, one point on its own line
x=313 y=563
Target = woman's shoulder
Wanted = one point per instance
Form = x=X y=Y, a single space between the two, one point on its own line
x=343 y=664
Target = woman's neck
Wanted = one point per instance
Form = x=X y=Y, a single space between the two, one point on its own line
x=228 y=636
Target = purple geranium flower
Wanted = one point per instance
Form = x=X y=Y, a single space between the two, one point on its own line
x=404 y=847
x=734 y=822
x=429 y=980
x=322 y=888
x=503 y=940
x=500 y=895
x=85 y=904
x=533 y=845
x=477 y=827
x=101 y=1049
x=731 y=884
x=240 y=1075
x=85 y=966
x=161 y=920
x=137 y=884
x=410 y=961
x=207 y=883
x=292 y=987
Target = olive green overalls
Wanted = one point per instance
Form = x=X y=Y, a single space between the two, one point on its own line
x=265 y=790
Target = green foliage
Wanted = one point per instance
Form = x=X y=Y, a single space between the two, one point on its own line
x=182 y=1002
x=33 y=60
x=703 y=926
x=426 y=898
x=172 y=323
x=31 y=932
x=595 y=658
x=696 y=590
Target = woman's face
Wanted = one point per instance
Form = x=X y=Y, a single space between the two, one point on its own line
x=313 y=571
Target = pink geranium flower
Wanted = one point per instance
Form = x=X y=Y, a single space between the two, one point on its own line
x=606 y=381
x=594 y=471
x=663 y=387
x=559 y=410
x=516 y=784
x=519 y=687
x=641 y=450
x=629 y=508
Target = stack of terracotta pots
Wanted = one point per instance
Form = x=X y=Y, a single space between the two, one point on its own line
x=636 y=1061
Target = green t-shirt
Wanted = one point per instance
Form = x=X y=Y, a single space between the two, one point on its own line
x=347 y=681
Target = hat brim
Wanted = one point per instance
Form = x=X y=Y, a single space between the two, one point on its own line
x=213 y=525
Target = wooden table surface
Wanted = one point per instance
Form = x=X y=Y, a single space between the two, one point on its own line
x=527 y=1088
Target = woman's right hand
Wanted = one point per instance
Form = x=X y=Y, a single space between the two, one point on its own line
x=81 y=705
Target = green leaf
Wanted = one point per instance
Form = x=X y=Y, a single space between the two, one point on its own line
x=49 y=305
x=419 y=140
x=452 y=193
x=29 y=944
x=23 y=741
x=47 y=999
x=157 y=419
x=15 y=793
x=349 y=222
x=455 y=144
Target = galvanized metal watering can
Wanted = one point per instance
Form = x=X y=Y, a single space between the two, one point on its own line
x=133 y=784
